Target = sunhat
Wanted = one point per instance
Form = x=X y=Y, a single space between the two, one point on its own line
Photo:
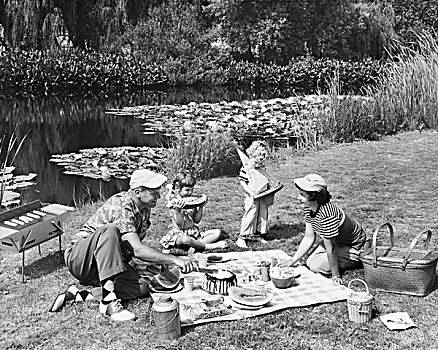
x=311 y=183
x=146 y=178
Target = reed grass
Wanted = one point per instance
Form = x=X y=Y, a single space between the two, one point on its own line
x=203 y=154
x=409 y=90
x=404 y=98
x=8 y=152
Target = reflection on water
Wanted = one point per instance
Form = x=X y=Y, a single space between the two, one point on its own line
x=67 y=124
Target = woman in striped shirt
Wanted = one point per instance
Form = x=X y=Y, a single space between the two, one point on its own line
x=342 y=237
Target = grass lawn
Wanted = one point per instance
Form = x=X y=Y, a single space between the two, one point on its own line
x=392 y=180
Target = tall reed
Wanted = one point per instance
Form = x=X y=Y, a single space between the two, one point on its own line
x=408 y=93
x=7 y=156
x=203 y=154
x=404 y=98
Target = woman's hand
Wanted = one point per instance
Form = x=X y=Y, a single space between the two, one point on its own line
x=286 y=263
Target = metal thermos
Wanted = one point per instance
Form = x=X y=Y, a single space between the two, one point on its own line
x=265 y=273
x=166 y=318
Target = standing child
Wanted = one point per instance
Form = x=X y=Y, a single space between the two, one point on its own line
x=343 y=238
x=185 y=233
x=253 y=179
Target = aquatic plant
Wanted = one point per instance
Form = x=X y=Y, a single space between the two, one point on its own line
x=8 y=152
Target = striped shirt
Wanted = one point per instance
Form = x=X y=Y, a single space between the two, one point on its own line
x=330 y=221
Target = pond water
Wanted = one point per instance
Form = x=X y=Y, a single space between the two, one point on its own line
x=57 y=125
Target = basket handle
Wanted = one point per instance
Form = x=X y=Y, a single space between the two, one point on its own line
x=413 y=243
x=359 y=280
x=391 y=239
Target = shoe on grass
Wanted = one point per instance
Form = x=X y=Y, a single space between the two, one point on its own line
x=115 y=310
x=241 y=243
x=260 y=237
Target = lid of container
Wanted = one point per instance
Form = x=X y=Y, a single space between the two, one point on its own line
x=165 y=303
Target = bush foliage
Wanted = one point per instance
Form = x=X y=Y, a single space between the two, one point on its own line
x=204 y=155
x=75 y=71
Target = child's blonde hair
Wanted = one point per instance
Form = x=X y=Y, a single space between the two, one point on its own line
x=256 y=148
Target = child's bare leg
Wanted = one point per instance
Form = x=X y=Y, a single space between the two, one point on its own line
x=186 y=241
x=211 y=238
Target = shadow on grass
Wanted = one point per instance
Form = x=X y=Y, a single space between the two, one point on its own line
x=285 y=231
x=45 y=265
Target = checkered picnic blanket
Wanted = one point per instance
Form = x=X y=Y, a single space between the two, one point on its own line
x=311 y=289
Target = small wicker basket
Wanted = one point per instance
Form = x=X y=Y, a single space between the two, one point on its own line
x=360 y=304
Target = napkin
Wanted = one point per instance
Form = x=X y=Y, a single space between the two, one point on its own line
x=397 y=321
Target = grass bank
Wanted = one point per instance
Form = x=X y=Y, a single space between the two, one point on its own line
x=389 y=180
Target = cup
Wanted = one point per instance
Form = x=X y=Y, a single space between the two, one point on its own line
x=202 y=261
x=265 y=271
x=189 y=282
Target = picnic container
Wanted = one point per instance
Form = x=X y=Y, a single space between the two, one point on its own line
x=166 y=318
x=360 y=304
x=400 y=270
x=283 y=282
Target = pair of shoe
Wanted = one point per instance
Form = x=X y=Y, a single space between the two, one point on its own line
x=113 y=308
x=72 y=293
x=260 y=237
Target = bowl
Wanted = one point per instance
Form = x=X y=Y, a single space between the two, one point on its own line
x=283 y=282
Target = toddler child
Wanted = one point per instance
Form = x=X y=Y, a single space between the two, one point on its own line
x=255 y=218
x=185 y=233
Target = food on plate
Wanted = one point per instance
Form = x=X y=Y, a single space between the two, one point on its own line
x=204 y=310
x=219 y=282
x=250 y=296
x=214 y=258
x=167 y=280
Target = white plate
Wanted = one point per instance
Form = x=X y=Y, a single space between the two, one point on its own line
x=234 y=293
x=244 y=307
x=176 y=289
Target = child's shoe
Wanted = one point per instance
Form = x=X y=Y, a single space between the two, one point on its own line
x=260 y=237
x=241 y=243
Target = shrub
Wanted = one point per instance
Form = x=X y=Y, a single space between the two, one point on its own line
x=204 y=155
x=75 y=71
x=306 y=75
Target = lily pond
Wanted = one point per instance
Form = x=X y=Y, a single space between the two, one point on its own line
x=83 y=148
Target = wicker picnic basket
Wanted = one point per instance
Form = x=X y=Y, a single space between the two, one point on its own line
x=400 y=270
x=360 y=304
